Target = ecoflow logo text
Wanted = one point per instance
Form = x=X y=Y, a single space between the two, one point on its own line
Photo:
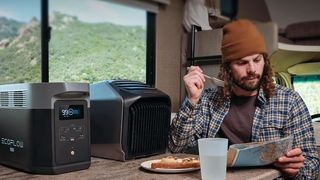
x=12 y=143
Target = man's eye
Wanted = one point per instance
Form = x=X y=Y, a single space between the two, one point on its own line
x=258 y=59
x=241 y=62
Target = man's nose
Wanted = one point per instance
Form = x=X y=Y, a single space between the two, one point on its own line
x=251 y=68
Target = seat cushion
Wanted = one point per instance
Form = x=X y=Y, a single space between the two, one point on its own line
x=303 y=30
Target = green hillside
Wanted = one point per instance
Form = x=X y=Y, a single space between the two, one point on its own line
x=78 y=52
x=20 y=59
x=8 y=27
x=92 y=52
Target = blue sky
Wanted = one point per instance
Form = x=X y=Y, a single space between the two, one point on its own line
x=86 y=10
x=21 y=10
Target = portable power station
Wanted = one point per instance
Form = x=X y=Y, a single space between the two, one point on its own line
x=45 y=127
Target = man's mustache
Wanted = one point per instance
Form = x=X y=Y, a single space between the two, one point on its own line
x=251 y=76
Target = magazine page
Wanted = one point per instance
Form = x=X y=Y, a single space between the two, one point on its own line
x=258 y=153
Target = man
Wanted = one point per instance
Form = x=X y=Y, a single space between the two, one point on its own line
x=250 y=107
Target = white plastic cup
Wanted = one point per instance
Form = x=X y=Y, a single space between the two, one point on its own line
x=213 y=158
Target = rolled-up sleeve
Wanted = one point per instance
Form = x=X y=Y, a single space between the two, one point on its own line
x=186 y=127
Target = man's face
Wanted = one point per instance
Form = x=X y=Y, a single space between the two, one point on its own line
x=247 y=72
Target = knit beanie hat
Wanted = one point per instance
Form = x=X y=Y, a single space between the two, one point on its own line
x=240 y=39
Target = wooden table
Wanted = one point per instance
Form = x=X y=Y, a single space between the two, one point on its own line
x=110 y=169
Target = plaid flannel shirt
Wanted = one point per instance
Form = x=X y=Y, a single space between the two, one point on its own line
x=283 y=115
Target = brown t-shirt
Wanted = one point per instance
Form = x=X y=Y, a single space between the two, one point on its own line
x=237 y=125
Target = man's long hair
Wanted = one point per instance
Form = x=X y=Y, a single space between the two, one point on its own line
x=266 y=82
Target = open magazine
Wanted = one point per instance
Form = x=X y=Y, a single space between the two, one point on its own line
x=258 y=153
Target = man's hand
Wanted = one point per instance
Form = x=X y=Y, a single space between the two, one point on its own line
x=194 y=82
x=291 y=162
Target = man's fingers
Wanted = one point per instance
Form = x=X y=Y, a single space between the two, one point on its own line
x=291 y=169
x=194 y=81
x=199 y=85
x=196 y=73
x=193 y=68
x=285 y=159
x=294 y=152
x=289 y=165
x=291 y=172
x=291 y=162
x=198 y=82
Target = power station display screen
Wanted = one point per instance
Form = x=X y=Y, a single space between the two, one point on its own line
x=69 y=112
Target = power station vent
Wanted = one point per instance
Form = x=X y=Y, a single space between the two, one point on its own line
x=13 y=99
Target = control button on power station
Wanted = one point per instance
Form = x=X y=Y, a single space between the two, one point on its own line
x=72 y=153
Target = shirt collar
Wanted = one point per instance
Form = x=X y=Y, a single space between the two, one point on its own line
x=261 y=100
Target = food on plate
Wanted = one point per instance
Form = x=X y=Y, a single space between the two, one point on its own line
x=171 y=162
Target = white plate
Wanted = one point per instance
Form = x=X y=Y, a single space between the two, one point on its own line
x=147 y=165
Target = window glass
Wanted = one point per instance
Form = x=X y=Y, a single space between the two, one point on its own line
x=309 y=89
x=94 y=40
x=20 y=41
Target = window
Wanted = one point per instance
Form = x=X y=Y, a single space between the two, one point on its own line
x=309 y=89
x=93 y=40
x=20 y=41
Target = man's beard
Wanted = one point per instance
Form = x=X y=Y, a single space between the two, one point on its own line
x=243 y=84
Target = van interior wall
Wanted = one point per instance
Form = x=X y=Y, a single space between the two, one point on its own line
x=171 y=53
x=169 y=32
